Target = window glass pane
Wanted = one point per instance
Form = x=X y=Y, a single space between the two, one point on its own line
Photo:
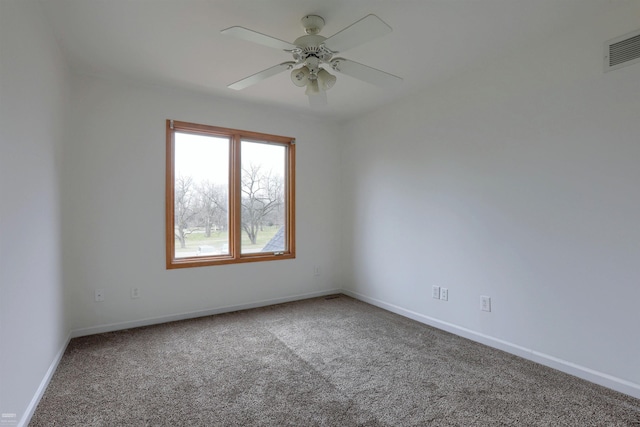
x=263 y=197
x=201 y=199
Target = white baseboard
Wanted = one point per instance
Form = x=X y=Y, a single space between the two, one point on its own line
x=600 y=378
x=194 y=314
x=31 y=408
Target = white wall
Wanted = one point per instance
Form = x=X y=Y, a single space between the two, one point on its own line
x=518 y=180
x=113 y=208
x=33 y=87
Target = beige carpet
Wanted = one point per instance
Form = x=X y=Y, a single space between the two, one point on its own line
x=319 y=362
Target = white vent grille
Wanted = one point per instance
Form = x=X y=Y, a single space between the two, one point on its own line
x=622 y=51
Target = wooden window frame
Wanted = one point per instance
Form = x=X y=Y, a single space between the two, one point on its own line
x=235 y=229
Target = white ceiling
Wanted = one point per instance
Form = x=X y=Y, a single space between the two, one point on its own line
x=178 y=42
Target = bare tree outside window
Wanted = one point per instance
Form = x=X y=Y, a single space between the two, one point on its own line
x=212 y=209
x=185 y=208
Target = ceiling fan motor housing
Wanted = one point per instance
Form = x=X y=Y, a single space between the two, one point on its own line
x=311 y=45
x=311 y=52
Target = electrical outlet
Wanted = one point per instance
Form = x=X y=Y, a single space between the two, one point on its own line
x=485 y=303
x=135 y=293
x=99 y=295
x=444 y=294
x=435 y=292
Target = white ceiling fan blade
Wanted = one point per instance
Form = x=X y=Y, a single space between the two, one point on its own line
x=365 y=73
x=256 y=37
x=368 y=28
x=258 y=77
x=318 y=100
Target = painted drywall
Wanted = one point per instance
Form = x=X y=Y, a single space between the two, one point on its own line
x=33 y=102
x=518 y=180
x=114 y=198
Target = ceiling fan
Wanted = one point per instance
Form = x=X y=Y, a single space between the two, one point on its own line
x=312 y=50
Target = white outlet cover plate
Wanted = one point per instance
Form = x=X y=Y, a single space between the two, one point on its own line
x=485 y=303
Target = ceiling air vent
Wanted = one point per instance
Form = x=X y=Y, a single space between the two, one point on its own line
x=622 y=51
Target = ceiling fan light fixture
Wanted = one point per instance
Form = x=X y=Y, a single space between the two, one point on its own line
x=300 y=76
x=312 y=88
x=326 y=80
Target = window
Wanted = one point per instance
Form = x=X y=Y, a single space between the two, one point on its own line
x=230 y=196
